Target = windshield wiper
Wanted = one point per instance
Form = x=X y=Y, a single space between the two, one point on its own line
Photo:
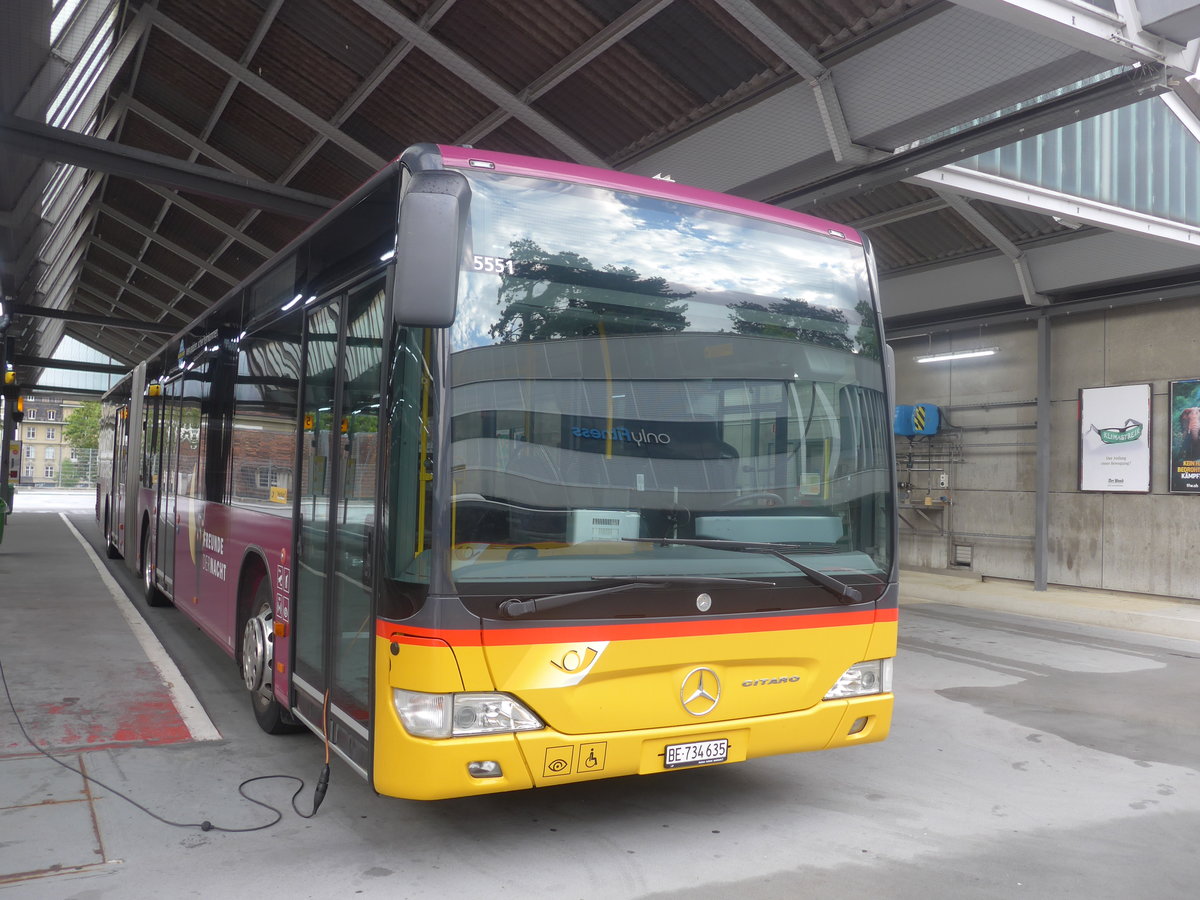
x=514 y=607
x=844 y=592
x=682 y=579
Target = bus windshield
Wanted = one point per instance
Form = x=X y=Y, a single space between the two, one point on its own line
x=626 y=367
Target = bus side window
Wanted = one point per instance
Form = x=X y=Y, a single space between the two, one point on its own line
x=409 y=507
x=263 y=443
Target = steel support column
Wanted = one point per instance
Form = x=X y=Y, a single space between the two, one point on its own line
x=1042 y=469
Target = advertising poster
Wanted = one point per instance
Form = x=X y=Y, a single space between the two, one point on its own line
x=1184 y=471
x=1114 y=439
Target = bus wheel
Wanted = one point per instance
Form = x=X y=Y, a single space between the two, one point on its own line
x=110 y=547
x=154 y=597
x=258 y=665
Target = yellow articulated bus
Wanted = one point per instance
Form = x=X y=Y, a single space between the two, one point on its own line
x=511 y=473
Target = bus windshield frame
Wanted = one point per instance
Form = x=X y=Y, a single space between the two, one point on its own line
x=624 y=366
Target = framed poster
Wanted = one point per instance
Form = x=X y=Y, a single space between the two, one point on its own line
x=1184 y=406
x=1114 y=439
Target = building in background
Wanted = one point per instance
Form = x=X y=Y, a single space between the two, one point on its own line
x=47 y=460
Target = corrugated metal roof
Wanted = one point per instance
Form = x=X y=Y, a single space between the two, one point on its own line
x=307 y=93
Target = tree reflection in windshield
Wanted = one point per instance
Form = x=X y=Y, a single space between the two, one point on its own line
x=561 y=295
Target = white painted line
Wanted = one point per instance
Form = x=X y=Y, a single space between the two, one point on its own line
x=189 y=708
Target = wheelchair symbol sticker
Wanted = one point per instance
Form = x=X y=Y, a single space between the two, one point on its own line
x=591 y=758
x=558 y=761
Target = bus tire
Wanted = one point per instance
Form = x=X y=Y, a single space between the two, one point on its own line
x=258 y=664
x=154 y=597
x=110 y=548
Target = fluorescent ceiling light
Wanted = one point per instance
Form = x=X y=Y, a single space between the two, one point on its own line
x=957 y=354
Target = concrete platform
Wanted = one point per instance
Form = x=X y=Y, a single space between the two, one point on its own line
x=1125 y=612
x=83 y=673
x=95 y=690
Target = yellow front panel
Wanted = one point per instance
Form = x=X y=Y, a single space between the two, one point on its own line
x=624 y=704
x=582 y=686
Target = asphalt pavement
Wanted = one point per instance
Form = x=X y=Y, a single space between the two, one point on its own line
x=1045 y=745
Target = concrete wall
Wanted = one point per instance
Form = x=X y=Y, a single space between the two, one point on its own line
x=1144 y=543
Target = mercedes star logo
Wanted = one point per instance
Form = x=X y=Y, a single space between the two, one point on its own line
x=700 y=691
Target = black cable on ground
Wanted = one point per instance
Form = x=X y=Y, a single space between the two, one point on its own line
x=206 y=825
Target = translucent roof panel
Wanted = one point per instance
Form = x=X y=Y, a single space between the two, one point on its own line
x=1140 y=157
x=71 y=350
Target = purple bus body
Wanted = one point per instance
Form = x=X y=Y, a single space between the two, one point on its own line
x=510 y=164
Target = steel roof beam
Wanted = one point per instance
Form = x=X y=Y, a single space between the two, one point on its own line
x=141 y=265
x=66 y=315
x=124 y=285
x=805 y=64
x=1098 y=301
x=102 y=70
x=256 y=39
x=1086 y=27
x=368 y=85
x=1054 y=203
x=67 y=228
x=476 y=78
x=75 y=187
x=1184 y=102
x=61 y=145
x=892 y=216
x=28 y=207
x=364 y=90
x=991 y=233
x=265 y=89
x=1075 y=106
x=166 y=126
x=168 y=244
x=123 y=46
x=170 y=198
x=115 y=342
x=73 y=216
x=220 y=225
x=54 y=71
x=615 y=31
x=62 y=261
x=43 y=362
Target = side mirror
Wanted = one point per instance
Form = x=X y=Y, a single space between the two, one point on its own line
x=429 y=248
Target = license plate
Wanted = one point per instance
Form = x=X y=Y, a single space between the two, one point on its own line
x=697 y=753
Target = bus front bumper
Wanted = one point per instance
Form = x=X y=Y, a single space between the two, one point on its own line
x=423 y=769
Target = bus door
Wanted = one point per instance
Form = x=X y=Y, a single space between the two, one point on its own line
x=190 y=459
x=332 y=611
x=169 y=484
x=116 y=520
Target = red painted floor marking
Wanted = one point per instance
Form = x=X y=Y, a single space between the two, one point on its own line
x=143 y=714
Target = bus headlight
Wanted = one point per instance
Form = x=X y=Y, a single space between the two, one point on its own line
x=458 y=715
x=871 y=677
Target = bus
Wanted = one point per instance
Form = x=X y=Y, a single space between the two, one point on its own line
x=510 y=473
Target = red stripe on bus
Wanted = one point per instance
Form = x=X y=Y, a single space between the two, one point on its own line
x=414 y=640
x=534 y=634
